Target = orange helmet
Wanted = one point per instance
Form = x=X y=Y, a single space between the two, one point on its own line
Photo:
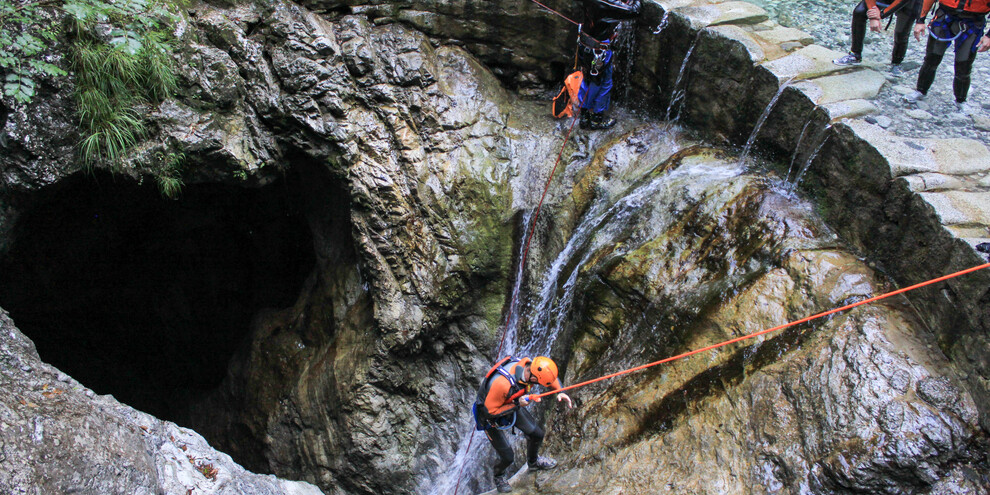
x=544 y=369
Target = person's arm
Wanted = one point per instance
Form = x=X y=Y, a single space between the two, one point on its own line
x=925 y=7
x=561 y=396
x=497 y=400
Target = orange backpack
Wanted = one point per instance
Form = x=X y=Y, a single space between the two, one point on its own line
x=567 y=104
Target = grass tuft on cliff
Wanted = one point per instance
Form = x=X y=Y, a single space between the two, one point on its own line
x=119 y=54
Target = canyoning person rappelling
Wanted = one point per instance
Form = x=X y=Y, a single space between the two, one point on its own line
x=596 y=38
x=501 y=405
x=872 y=12
x=962 y=22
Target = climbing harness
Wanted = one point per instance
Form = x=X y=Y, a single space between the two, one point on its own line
x=942 y=24
x=482 y=418
x=766 y=331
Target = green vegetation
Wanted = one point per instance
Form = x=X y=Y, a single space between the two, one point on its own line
x=119 y=54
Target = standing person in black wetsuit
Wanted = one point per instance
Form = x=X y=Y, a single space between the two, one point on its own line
x=598 y=32
x=873 y=11
x=501 y=405
x=959 y=21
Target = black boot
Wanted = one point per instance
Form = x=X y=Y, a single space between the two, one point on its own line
x=585 y=119
x=601 y=121
x=501 y=484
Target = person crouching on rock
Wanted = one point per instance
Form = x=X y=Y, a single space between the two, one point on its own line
x=598 y=32
x=873 y=11
x=501 y=406
x=962 y=22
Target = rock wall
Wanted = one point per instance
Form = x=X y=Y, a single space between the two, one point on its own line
x=417 y=161
x=913 y=206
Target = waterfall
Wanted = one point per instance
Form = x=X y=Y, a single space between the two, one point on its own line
x=761 y=120
x=797 y=148
x=663 y=23
x=811 y=157
x=677 y=95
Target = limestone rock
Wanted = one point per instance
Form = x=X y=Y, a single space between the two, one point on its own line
x=56 y=436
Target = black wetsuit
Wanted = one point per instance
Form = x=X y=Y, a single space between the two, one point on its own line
x=902 y=27
x=534 y=439
x=965 y=54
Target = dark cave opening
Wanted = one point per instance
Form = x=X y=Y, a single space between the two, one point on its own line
x=147 y=298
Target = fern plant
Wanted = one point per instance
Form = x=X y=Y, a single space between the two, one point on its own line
x=24 y=35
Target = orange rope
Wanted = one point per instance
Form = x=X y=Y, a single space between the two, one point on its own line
x=757 y=334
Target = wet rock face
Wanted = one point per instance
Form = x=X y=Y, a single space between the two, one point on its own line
x=863 y=401
x=412 y=161
x=404 y=156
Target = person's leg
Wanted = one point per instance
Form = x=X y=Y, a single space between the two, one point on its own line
x=933 y=57
x=534 y=434
x=858 y=29
x=963 y=68
x=502 y=448
x=902 y=33
x=600 y=118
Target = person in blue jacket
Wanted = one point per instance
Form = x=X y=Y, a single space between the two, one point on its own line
x=595 y=54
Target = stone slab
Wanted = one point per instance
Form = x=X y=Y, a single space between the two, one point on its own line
x=780 y=35
x=858 y=85
x=962 y=208
x=807 y=63
x=736 y=33
x=915 y=155
x=849 y=109
x=931 y=181
x=733 y=12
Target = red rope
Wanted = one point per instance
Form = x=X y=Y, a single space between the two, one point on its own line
x=780 y=327
x=572 y=21
x=522 y=263
x=532 y=228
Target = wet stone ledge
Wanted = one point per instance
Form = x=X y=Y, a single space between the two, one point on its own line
x=915 y=207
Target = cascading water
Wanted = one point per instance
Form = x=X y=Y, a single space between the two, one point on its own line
x=663 y=23
x=797 y=148
x=761 y=120
x=811 y=158
x=625 y=46
x=676 y=95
